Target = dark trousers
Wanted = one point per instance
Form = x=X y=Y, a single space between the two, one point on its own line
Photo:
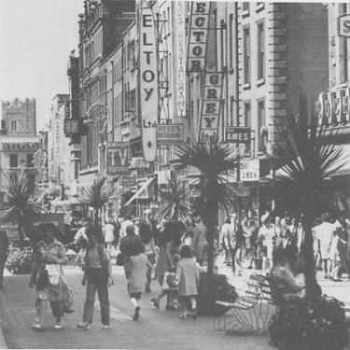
x=97 y=280
x=57 y=310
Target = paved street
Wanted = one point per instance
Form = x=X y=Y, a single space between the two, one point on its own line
x=155 y=330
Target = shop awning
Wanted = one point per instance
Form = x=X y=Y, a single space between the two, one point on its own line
x=140 y=194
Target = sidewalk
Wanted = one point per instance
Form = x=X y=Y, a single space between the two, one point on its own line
x=155 y=330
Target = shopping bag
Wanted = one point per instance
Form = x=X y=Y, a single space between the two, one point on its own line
x=170 y=281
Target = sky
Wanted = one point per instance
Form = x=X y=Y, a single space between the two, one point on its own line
x=36 y=38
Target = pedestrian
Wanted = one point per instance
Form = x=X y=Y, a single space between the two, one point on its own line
x=224 y=240
x=150 y=250
x=187 y=274
x=97 y=277
x=4 y=245
x=47 y=276
x=169 y=240
x=266 y=237
x=135 y=268
x=109 y=235
x=200 y=243
x=324 y=233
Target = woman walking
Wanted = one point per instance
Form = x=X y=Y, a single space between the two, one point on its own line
x=135 y=267
x=47 y=277
x=187 y=273
x=98 y=275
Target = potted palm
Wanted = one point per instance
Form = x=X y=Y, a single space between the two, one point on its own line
x=96 y=196
x=212 y=160
x=307 y=161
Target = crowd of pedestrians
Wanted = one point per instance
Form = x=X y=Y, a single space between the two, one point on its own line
x=173 y=254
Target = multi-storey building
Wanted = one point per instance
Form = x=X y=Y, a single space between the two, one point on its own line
x=58 y=157
x=18 y=143
x=334 y=101
x=100 y=27
x=142 y=95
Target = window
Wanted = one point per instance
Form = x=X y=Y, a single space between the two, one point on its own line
x=247 y=114
x=13 y=161
x=262 y=130
x=246 y=55
x=260 y=5
x=261 y=51
x=13 y=125
x=246 y=8
x=30 y=160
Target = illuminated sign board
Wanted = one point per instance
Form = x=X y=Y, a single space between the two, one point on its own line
x=211 y=105
x=198 y=36
x=148 y=83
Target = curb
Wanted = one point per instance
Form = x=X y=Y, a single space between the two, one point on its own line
x=2 y=338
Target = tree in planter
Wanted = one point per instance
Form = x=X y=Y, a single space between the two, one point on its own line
x=20 y=206
x=96 y=196
x=307 y=161
x=173 y=201
x=213 y=160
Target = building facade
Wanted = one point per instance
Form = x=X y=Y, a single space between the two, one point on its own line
x=168 y=79
x=18 y=143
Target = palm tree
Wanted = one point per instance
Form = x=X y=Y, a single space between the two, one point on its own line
x=173 y=201
x=96 y=196
x=20 y=206
x=213 y=160
x=303 y=183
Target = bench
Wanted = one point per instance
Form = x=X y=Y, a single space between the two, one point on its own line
x=249 y=313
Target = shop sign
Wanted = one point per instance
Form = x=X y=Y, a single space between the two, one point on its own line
x=344 y=26
x=170 y=132
x=20 y=146
x=180 y=57
x=250 y=170
x=198 y=36
x=334 y=107
x=148 y=82
x=238 y=134
x=211 y=105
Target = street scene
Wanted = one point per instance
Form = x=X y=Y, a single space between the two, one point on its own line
x=174 y=175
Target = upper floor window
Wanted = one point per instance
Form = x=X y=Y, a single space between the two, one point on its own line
x=13 y=125
x=247 y=114
x=246 y=8
x=246 y=55
x=261 y=51
x=262 y=130
x=13 y=160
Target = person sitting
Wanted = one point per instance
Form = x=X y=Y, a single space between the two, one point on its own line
x=285 y=283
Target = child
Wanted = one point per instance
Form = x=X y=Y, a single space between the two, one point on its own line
x=187 y=273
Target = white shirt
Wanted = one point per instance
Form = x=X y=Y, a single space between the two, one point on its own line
x=109 y=233
x=123 y=227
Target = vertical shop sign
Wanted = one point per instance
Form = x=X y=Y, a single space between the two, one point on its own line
x=181 y=57
x=148 y=83
x=198 y=36
x=211 y=105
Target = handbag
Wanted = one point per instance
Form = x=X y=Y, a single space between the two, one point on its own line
x=54 y=273
x=170 y=281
